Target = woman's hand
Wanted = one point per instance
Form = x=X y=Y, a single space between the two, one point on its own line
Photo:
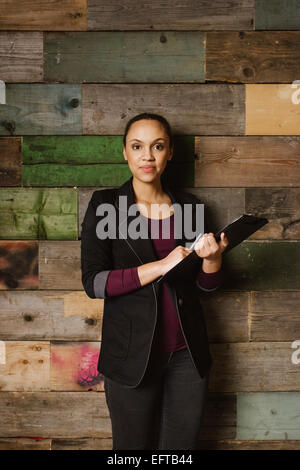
x=208 y=248
x=174 y=257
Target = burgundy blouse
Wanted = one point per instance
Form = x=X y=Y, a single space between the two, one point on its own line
x=121 y=281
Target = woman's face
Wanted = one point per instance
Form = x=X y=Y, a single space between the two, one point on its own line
x=147 y=145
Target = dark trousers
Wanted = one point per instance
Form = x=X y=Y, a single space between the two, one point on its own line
x=165 y=411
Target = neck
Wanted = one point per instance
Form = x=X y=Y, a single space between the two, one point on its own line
x=150 y=192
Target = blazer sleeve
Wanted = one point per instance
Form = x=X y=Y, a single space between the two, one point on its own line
x=96 y=254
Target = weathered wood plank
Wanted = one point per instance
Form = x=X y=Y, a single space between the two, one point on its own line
x=76 y=414
x=268 y=416
x=91 y=149
x=253 y=57
x=21 y=443
x=188 y=15
x=59 y=265
x=21 y=56
x=19 y=265
x=81 y=444
x=263 y=266
x=41 y=109
x=247 y=161
x=216 y=108
x=27 y=366
x=278 y=14
x=38 y=213
x=274 y=316
x=41 y=315
x=271 y=109
x=11 y=161
x=281 y=206
x=74 y=366
x=253 y=367
x=57 y=15
x=54 y=414
x=249 y=445
x=132 y=56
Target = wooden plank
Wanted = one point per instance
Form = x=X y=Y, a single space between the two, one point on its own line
x=41 y=109
x=27 y=366
x=281 y=206
x=253 y=367
x=268 y=416
x=253 y=57
x=188 y=15
x=59 y=414
x=19 y=265
x=38 y=213
x=216 y=108
x=90 y=149
x=82 y=444
x=21 y=56
x=250 y=445
x=11 y=161
x=226 y=315
x=278 y=14
x=132 y=56
x=48 y=414
x=271 y=109
x=274 y=316
x=270 y=265
x=74 y=366
x=58 y=15
x=21 y=443
x=45 y=315
x=247 y=161
x=59 y=265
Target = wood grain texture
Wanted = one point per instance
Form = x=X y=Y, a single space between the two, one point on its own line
x=45 y=315
x=192 y=109
x=19 y=265
x=250 y=445
x=22 y=443
x=278 y=14
x=59 y=15
x=272 y=109
x=188 y=15
x=268 y=416
x=21 y=56
x=247 y=161
x=253 y=367
x=11 y=161
x=133 y=56
x=253 y=57
x=59 y=265
x=38 y=213
x=269 y=265
x=27 y=366
x=274 y=316
x=41 y=109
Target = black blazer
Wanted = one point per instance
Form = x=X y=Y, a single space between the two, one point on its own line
x=130 y=320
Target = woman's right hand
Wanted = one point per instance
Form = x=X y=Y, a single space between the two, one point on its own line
x=173 y=258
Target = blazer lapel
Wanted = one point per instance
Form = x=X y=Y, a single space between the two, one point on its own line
x=142 y=247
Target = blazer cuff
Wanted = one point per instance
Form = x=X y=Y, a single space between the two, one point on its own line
x=100 y=283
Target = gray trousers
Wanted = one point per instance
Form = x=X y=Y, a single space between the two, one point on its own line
x=164 y=412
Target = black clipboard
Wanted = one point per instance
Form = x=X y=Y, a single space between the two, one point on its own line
x=238 y=230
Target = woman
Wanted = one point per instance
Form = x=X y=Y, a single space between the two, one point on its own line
x=154 y=352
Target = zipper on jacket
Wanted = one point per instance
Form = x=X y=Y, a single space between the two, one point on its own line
x=174 y=293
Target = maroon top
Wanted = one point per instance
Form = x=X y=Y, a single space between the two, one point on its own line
x=121 y=281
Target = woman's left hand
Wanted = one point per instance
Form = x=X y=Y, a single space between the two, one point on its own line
x=208 y=248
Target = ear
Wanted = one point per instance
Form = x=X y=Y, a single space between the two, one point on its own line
x=124 y=153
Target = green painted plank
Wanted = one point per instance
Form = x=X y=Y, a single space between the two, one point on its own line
x=263 y=266
x=41 y=109
x=45 y=214
x=104 y=174
x=91 y=149
x=277 y=14
x=124 y=56
x=268 y=416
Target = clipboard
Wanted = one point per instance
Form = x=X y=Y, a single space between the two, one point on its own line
x=237 y=231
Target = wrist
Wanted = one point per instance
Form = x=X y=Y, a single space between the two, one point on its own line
x=211 y=266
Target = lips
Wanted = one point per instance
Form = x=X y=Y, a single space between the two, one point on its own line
x=147 y=166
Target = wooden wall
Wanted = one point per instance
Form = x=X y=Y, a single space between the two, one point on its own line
x=222 y=72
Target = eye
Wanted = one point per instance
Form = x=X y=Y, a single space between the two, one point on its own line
x=160 y=145
x=134 y=145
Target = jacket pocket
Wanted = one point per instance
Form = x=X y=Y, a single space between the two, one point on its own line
x=116 y=335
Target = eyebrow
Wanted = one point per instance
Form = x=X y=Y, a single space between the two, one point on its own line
x=137 y=140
